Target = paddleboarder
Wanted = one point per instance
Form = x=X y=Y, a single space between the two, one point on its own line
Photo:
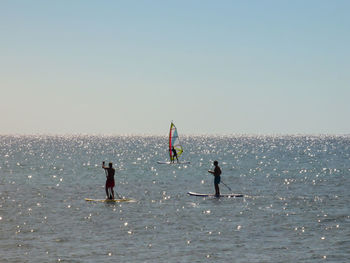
x=110 y=171
x=216 y=173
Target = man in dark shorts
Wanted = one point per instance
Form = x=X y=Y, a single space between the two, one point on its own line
x=110 y=171
x=174 y=155
x=216 y=173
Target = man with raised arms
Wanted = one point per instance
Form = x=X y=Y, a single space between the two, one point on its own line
x=110 y=171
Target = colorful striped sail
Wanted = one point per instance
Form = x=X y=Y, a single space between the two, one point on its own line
x=174 y=142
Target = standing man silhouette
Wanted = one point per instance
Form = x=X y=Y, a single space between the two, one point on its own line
x=110 y=171
x=174 y=155
x=217 y=178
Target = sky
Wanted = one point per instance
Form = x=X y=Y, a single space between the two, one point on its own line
x=212 y=67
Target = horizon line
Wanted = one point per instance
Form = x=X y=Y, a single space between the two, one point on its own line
x=182 y=135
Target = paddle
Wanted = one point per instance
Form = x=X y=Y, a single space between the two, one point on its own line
x=226 y=185
x=119 y=197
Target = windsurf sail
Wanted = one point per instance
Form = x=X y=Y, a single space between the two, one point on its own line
x=174 y=142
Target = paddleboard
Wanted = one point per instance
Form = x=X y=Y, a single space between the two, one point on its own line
x=213 y=195
x=184 y=162
x=110 y=200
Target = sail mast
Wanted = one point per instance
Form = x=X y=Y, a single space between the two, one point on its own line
x=170 y=141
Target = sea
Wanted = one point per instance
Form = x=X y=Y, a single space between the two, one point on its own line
x=295 y=207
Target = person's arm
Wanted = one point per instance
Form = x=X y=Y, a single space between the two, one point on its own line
x=103 y=165
x=212 y=172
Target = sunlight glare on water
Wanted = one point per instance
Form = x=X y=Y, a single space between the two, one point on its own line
x=295 y=206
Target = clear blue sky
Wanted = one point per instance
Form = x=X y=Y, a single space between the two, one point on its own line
x=214 y=67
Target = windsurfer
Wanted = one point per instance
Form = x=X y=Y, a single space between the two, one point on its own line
x=174 y=155
x=110 y=171
x=216 y=173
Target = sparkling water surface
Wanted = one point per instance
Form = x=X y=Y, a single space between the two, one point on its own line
x=295 y=209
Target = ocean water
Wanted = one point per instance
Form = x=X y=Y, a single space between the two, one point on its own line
x=295 y=209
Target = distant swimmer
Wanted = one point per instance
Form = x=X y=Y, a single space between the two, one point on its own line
x=216 y=173
x=174 y=155
x=110 y=171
